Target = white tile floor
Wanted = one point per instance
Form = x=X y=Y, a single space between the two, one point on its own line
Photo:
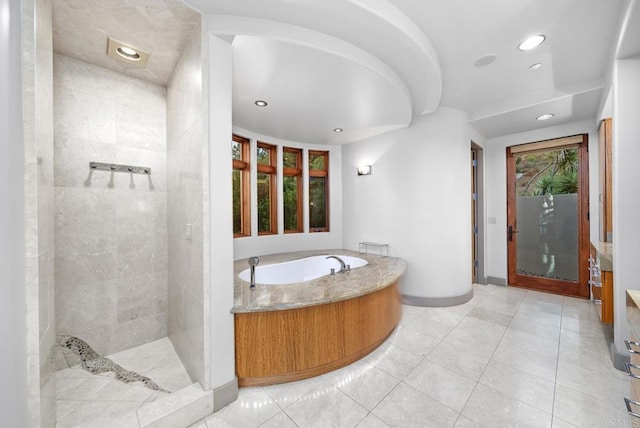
x=508 y=358
x=88 y=400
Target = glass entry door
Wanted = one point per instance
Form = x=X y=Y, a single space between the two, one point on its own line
x=547 y=213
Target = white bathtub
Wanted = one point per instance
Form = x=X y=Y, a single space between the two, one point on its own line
x=300 y=270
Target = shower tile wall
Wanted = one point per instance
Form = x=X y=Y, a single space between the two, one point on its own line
x=39 y=209
x=110 y=228
x=187 y=158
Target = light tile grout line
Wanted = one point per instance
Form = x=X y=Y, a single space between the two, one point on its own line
x=369 y=412
x=401 y=381
x=488 y=362
x=566 y=362
x=555 y=379
x=563 y=305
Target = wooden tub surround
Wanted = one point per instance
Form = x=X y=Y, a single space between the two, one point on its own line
x=295 y=331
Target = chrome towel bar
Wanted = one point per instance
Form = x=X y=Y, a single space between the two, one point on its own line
x=119 y=168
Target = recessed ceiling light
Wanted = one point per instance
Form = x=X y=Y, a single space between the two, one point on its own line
x=485 y=60
x=531 y=42
x=545 y=116
x=127 y=53
x=536 y=66
x=338 y=129
x=261 y=103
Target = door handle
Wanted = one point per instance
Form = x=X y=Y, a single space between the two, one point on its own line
x=510 y=233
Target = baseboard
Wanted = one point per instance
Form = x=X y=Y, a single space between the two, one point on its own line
x=618 y=358
x=437 y=302
x=497 y=281
x=225 y=394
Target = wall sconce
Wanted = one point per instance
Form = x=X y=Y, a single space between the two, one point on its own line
x=364 y=170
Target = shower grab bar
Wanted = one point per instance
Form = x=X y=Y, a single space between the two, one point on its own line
x=114 y=167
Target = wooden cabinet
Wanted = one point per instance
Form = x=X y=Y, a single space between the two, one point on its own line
x=605 y=174
x=633 y=366
x=633 y=370
x=606 y=307
x=601 y=282
x=292 y=344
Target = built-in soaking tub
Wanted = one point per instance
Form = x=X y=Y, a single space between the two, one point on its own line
x=295 y=330
x=301 y=270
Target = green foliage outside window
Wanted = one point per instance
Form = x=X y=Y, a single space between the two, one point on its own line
x=317 y=202
x=237 y=208
x=553 y=172
x=290 y=194
x=264 y=202
x=317 y=162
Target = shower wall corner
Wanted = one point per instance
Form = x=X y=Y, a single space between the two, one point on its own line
x=37 y=99
x=186 y=173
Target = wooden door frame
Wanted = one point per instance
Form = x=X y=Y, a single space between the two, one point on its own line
x=581 y=288
x=605 y=156
x=480 y=215
x=474 y=244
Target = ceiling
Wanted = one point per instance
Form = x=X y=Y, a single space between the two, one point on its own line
x=160 y=27
x=371 y=66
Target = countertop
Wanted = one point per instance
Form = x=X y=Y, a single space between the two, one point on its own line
x=633 y=311
x=379 y=273
x=605 y=253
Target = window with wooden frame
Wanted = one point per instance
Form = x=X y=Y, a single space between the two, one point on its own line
x=267 y=190
x=292 y=189
x=318 y=191
x=241 y=187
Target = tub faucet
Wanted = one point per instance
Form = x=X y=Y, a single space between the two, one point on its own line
x=343 y=265
x=253 y=261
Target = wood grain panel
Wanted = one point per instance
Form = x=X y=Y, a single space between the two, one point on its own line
x=635 y=383
x=606 y=296
x=282 y=346
x=605 y=165
x=543 y=146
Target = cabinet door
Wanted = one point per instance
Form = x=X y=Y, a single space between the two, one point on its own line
x=635 y=383
x=607 y=297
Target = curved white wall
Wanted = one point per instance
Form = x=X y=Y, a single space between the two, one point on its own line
x=417 y=200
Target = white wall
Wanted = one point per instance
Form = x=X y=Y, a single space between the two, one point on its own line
x=626 y=190
x=496 y=185
x=272 y=244
x=37 y=98
x=13 y=371
x=187 y=171
x=417 y=200
x=220 y=236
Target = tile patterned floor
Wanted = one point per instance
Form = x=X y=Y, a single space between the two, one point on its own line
x=507 y=358
x=88 y=400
